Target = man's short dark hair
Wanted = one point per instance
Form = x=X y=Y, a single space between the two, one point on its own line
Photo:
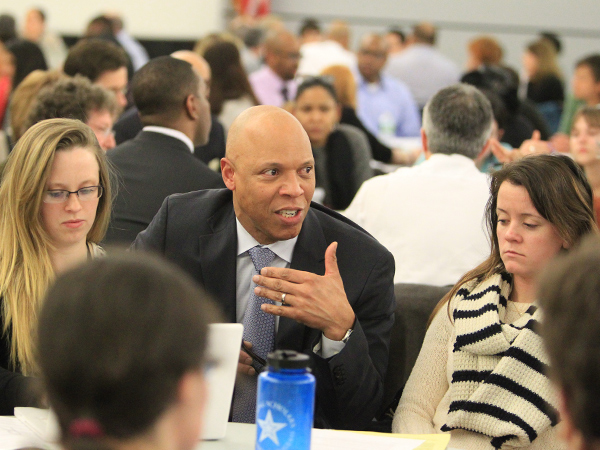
x=424 y=33
x=8 y=28
x=569 y=293
x=162 y=85
x=553 y=39
x=71 y=98
x=309 y=24
x=92 y=57
x=100 y=26
x=398 y=32
x=593 y=62
x=458 y=120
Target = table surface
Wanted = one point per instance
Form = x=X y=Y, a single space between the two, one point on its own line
x=240 y=436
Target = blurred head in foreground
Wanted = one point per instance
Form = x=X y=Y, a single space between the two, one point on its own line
x=121 y=347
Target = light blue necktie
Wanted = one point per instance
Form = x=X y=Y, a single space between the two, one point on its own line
x=259 y=330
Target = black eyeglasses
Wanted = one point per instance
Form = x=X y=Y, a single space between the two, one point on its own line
x=61 y=195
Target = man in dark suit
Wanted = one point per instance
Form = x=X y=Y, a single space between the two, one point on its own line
x=329 y=283
x=159 y=161
x=129 y=124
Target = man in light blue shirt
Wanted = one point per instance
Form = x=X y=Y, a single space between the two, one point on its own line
x=385 y=106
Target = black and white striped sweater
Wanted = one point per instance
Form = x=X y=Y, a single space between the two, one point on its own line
x=499 y=386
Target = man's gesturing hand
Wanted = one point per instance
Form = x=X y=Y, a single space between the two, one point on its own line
x=245 y=361
x=316 y=301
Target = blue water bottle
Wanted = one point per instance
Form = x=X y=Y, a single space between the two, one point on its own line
x=285 y=402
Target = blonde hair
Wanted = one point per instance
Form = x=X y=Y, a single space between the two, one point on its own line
x=25 y=247
x=24 y=97
x=205 y=42
x=546 y=58
x=343 y=83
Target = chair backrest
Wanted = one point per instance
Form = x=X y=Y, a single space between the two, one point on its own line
x=414 y=305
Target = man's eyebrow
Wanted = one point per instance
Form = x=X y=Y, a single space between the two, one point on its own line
x=267 y=164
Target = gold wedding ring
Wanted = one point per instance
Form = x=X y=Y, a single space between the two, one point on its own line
x=283 y=299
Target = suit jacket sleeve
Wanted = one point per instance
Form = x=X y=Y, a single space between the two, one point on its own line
x=350 y=387
x=153 y=238
x=17 y=390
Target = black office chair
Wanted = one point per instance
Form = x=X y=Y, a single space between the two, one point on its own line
x=414 y=305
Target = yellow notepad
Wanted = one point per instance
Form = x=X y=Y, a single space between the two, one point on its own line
x=332 y=439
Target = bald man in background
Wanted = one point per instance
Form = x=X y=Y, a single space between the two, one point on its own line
x=129 y=124
x=274 y=83
x=327 y=287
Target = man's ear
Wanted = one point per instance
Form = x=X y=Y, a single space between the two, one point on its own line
x=190 y=107
x=424 y=142
x=228 y=173
x=485 y=148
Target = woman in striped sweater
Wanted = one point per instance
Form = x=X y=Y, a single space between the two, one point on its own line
x=481 y=371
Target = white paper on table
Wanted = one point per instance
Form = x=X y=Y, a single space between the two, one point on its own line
x=14 y=435
x=343 y=440
x=41 y=421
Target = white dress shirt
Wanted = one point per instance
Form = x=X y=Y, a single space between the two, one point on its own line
x=429 y=216
x=245 y=270
x=316 y=56
x=171 y=132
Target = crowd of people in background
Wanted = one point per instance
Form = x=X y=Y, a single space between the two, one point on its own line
x=302 y=144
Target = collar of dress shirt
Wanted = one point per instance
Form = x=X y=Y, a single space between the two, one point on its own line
x=275 y=78
x=173 y=133
x=283 y=249
x=362 y=83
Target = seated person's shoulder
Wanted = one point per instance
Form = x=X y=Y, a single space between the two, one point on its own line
x=348 y=234
x=184 y=217
x=351 y=131
x=207 y=199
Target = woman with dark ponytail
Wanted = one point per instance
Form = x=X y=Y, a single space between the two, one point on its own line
x=121 y=347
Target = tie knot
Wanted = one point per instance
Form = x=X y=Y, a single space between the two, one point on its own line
x=261 y=257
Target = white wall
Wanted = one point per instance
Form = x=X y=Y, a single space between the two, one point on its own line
x=513 y=22
x=176 y=19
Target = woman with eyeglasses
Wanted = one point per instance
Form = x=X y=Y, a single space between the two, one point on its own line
x=55 y=202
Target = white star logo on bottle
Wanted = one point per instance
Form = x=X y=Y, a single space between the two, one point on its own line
x=269 y=428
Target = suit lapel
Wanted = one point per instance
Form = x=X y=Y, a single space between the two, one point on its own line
x=218 y=260
x=309 y=256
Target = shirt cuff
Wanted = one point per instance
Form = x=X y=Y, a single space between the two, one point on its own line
x=326 y=348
